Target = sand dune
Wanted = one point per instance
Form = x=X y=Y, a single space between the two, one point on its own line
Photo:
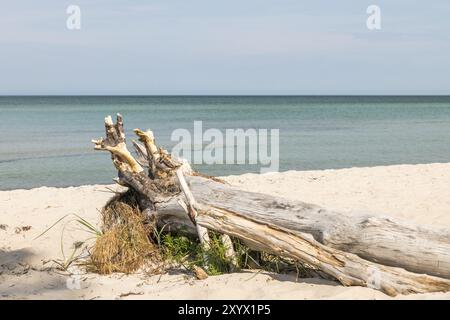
x=416 y=193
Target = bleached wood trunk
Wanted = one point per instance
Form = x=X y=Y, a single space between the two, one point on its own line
x=347 y=268
x=378 y=239
x=356 y=250
x=267 y=227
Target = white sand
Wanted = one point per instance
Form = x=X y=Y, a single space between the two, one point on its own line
x=417 y=193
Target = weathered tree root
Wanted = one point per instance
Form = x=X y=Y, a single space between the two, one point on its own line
x=172 y=194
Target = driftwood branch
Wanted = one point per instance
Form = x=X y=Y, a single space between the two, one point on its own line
x=349 y=269
x=355 y=250
x=115 y=144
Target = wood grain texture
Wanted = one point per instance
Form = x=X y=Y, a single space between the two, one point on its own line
x=381 y=253
x=378 y=239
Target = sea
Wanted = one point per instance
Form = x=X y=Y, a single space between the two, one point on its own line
x=46 y=140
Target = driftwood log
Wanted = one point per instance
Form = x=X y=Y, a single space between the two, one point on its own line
x=388 y=255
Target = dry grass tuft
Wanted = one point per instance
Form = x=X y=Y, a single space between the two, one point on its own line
x=124 y=245
x=128 y=242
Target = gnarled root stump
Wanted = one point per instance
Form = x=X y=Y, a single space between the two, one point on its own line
x=380 y=253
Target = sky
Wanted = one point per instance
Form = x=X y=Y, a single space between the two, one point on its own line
x=224 y=47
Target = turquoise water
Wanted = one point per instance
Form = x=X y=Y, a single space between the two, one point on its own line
x=46 y=140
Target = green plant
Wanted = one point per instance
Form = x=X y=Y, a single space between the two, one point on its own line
x=66 y=262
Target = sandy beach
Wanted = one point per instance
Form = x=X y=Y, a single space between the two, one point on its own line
x=415 y=193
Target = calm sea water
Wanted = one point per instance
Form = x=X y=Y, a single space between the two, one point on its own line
x=46 y=140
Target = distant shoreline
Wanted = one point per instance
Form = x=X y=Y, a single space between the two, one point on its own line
x=225 y=95
x=253 y=175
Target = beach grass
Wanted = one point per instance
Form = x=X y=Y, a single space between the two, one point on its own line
x=129 y=241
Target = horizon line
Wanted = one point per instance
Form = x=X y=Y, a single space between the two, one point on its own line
x=224 y=95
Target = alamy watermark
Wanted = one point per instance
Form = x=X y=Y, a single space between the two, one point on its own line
x=73 y=22
x=234 y=146
x=373 y=22
x=73 y=282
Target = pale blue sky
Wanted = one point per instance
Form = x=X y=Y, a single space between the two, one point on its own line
x=225 y=47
